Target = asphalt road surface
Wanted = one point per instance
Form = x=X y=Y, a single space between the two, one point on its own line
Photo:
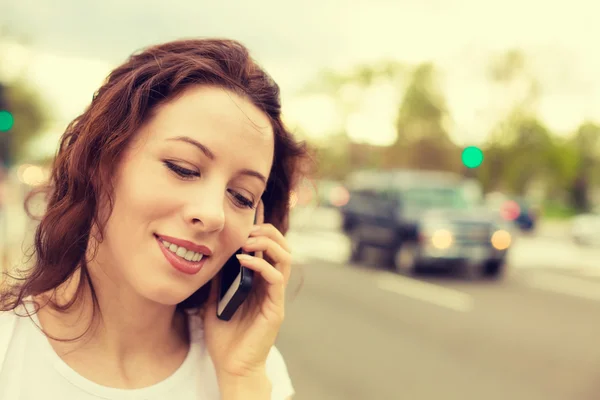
x=358 y=332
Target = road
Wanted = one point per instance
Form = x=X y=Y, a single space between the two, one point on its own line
x=358 y=332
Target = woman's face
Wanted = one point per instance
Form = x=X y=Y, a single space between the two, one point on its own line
x=185 y=194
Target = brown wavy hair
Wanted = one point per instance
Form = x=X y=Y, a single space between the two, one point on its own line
x=92 y=146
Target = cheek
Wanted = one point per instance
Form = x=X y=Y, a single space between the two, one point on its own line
x=232 y=238
x=145 y=191
x=137 y=204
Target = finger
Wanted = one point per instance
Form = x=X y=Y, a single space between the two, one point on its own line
x=281 y=259
x=272 y=277
x=260 y=213
x=272 y=249
x=270 y=231
x=259 y=219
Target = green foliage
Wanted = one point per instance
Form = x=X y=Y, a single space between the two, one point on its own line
x=508 y=66
x=423 y=103
x=558 y=210
x=26 y=107
x=29 y=118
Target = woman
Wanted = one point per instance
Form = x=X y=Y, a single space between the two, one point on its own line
x=154 y=187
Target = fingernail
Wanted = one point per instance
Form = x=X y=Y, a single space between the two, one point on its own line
x=251 y=240
x=243 y=256
x=255 y=228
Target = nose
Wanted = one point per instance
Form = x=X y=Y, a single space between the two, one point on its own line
x=206 y=212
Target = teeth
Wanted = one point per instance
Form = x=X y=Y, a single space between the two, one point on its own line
x=182 y=252
x=189 y=255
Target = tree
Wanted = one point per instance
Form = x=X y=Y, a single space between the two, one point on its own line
x=29 y=117
x=339 y=155
x=423 y=140
x=520 y=149
x=529 y=154
x=585 y=147
x=28 y=110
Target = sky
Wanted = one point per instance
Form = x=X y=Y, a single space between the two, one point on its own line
x=74 y=44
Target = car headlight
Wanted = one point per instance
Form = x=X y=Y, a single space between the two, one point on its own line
x=442 y=239
x=501 y=239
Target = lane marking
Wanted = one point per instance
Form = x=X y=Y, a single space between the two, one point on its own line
x=427 y=292
x=565 y=285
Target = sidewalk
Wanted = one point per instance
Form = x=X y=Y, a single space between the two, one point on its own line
x=554 y=228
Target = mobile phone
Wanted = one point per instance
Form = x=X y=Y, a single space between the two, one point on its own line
x=235 y=282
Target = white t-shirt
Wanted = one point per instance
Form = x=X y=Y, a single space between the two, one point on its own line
x=30 y=369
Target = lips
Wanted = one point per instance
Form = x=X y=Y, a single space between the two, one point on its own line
x=186 y=244
x=190 y=266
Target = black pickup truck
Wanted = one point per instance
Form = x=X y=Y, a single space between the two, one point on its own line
x=423 y=219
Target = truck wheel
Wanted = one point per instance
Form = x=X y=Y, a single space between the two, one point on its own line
x=495 y=270
x=357 y=248
x=405 y=258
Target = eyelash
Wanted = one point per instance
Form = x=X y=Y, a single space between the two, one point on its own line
x=181 y=172
x=188 y=174
x=241 y=200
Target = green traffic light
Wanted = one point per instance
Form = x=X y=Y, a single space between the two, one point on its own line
x=472 y=157
x=6 y=121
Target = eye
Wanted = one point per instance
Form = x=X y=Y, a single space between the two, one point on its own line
x=183 y=173
x=241 y=200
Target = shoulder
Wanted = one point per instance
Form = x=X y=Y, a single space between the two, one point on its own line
x=8 y=325
x=8 y=320
x=279 y=376
x=12 y=321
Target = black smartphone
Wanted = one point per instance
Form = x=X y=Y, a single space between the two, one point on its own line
x=235 y=282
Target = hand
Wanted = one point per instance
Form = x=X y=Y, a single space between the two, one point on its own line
x=239 y=347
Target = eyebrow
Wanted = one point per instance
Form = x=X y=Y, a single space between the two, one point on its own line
x=208 y=153
x=255 y=174
x=193 y=142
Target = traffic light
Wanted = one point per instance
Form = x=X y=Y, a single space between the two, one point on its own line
x=6 y=121
x=472 y=157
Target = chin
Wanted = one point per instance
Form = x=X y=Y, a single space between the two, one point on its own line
x=164 y=292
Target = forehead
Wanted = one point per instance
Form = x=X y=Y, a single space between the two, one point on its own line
x=218 y=118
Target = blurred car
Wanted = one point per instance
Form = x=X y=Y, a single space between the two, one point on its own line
x=319 y=193
x=585 y=228
x=518 y=211
x=527 y=215
x=331 y=193
x=424 y=219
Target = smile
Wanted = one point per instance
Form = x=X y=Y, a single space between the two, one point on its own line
x=181 y=258
x=182 y=252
